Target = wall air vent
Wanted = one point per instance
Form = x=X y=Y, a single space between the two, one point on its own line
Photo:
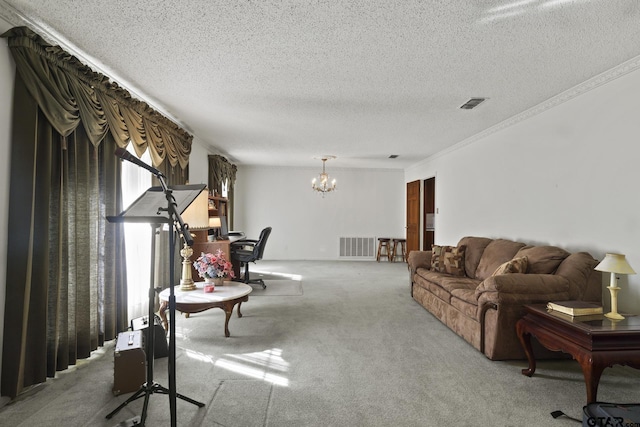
x=472 y=103
x=358 y=247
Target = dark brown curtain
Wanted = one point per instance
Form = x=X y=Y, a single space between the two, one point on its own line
x=220 y=170
x=66 y=287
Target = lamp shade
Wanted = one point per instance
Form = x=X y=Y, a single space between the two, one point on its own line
x=214 y=222
x=615 y=263
x=197 y=213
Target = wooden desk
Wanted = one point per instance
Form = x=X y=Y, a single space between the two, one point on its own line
x=594 y=344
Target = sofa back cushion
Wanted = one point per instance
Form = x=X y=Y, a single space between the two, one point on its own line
x=474 y=248
x=496 y=253
x=585 y=283
x=543 y=259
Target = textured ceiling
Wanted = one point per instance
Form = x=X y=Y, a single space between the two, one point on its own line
x=279 y=82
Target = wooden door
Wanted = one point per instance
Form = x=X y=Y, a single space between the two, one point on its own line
x=413 y=216
x=429 y=210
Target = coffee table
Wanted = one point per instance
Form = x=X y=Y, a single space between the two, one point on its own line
x=224 y=297
x=594 y=343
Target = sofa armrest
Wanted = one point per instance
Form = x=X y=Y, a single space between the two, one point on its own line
x=518 y=289
x=418 y=259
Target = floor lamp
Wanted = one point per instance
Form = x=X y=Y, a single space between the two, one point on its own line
x=614 y=264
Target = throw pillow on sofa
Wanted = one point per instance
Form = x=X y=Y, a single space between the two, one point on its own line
x=516 y=265
x=448 y=259
x=437 y=258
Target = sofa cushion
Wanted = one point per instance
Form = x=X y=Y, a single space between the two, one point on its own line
x=437 y=260
x=450 y=283
x=474 y=248
x=465 y=301
x=516 y=265
x=496 y=253
x=441 y=284
x=430 y=280
x=467 y=295
x=454 y=260
x=429 y=275
x=543 y=259
x=448 y=259
x=447 y=281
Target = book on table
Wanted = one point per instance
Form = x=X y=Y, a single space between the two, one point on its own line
x=588 y=318
x=575 y=308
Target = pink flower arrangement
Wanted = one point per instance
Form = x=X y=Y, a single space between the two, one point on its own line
x=210 y=265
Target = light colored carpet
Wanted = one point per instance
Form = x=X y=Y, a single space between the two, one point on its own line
x=353 y=350
x=277 y=287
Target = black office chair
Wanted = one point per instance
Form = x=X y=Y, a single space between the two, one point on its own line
x=245 y=251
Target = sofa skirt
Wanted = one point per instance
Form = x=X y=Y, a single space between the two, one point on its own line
x=497 y=323
x=464 y=326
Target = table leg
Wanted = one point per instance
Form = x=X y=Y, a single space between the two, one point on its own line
x=163 y=315
x=228 y=310
x=239 y=314
x=592 y=369
x=525 y=340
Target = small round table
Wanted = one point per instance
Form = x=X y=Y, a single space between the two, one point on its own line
x=224 y=297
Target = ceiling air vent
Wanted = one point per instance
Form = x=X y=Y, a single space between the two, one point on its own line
x=472 y=103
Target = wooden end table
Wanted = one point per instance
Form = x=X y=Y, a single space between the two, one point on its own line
x=595 y=342
x=224 y=297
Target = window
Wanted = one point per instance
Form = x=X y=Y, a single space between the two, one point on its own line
x=225 y=188
x=135 y=181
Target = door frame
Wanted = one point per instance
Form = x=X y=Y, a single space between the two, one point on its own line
x=413 y=216
x=429 y=212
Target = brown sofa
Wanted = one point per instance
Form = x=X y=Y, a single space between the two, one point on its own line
x=479 y=288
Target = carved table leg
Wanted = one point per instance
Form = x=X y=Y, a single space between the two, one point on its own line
x=163 y=315
x=228 y=310
x=592 y=369
x=239 y=314
x=525 y=340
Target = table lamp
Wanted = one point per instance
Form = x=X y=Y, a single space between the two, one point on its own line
x=215 y=224
x=196 y=215
x=614 y=264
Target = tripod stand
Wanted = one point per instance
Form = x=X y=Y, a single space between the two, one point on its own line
x=150 y=387
x=147 y=209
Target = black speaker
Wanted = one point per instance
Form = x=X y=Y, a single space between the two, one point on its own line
x=160 y=348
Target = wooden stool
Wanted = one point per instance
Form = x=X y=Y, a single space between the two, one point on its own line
x=403 y=247
x=384 y=248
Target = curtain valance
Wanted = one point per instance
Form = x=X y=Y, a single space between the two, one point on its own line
x=220 y=170
x=70 y=93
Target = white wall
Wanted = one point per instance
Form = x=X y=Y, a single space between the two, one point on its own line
x=568 y=176
x=7 y=72
x=199 y=162
x=368 y=203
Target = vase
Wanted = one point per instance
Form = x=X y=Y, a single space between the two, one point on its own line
x=216 y=281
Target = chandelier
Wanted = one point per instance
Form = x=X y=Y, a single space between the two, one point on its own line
x=321 y=184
